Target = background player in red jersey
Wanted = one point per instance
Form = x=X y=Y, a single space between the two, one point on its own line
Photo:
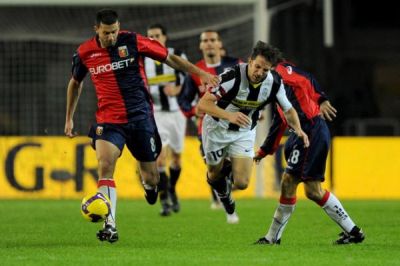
x=214 y=63
x=165 y=84
x=114 y=60
x=305 y=165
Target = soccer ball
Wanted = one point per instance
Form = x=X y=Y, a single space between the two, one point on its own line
x=95 y=207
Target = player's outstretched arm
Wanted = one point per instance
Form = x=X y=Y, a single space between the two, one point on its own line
x=293 y=120
x=182 y=64
x=73 y=92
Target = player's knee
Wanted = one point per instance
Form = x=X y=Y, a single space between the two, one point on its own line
x=241 y=184
x=212 y=175
x=288 y=185
x=314 y=191
x=313 y=195
x=287 y=179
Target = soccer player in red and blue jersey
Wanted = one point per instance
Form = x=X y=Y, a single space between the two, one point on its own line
x=114 y=59
x=304 y=164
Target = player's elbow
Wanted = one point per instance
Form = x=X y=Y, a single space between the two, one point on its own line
x=289 y=112
x=202 y=105
x=73 y=83
x=290 y=116
x=206 y=103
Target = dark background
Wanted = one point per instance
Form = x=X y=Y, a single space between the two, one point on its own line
x=360 y=73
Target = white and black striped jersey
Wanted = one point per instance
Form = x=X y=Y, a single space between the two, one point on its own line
x=158 y=75
x=237 y=94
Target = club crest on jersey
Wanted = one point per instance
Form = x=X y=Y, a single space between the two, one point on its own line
x=99 y=131
x=289 y=70
x=123 y=51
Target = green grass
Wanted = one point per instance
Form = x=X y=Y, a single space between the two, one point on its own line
x=54 y=233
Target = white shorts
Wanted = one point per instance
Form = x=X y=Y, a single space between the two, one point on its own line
x=219 y=142
x=172 y=129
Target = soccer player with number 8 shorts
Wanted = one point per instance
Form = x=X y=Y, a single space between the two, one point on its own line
x=304 y=164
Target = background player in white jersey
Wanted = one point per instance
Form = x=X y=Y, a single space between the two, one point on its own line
x=165 y=84
x=232 y=111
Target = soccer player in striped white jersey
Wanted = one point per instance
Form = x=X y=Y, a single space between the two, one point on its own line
x=232 y=111
x=215 y=62
x=165 y=84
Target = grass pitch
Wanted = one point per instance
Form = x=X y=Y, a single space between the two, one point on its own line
x=54 y=233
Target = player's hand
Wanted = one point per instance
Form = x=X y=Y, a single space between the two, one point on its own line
x=239 y=119
x=304 y=137
x=260 y=154
x=327 y=111
x=209 y=80
x=69 y=126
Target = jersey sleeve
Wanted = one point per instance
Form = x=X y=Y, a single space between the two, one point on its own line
x=227 y=81
x=275 y=132
x=151 y=48
x=318 y=94
x=79 y=70
x=282 y=99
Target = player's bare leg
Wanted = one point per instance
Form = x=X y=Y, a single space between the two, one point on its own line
x=241 y=170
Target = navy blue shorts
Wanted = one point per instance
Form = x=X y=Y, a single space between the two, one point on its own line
x=141 y=138
x=308 y=163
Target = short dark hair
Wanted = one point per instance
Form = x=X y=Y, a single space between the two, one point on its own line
x=158 y=26
x=211 y=30
x=269 y=52
x=106 y=16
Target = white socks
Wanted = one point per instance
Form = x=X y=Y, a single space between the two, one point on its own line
x=329 y=203
x=335 y=210
x=281 y=217
x=107 y=187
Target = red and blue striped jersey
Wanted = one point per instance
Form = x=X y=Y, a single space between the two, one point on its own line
x=118 y=75
x=305 y=94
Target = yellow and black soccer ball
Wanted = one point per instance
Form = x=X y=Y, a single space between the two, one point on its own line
x=95 y=207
